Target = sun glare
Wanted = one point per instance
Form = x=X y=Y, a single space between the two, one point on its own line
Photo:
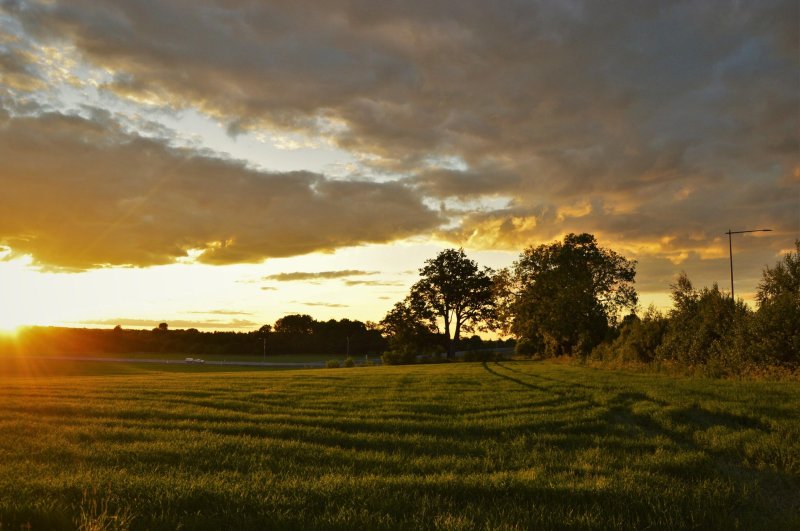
x=9 y=329
x=9 y=332
x=18 y=301
x=9 y=325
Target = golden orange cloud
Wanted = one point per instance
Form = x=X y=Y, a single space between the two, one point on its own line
x=81 y=192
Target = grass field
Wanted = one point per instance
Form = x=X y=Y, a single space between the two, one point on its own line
x=46 y=367
x=514 y=445
x=177 y=356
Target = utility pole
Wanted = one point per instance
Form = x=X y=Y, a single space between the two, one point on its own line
x=730 y=248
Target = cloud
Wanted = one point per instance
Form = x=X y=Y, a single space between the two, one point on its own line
x=656 y=126
x=489 y=179
x=319 y=275
x=220 y=312
x=174 y=323
x=372 y=283
x=323 y=304
x=81 y=192
x=17 y=71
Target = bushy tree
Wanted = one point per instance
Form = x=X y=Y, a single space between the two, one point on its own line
x=563 y=297
x=408 y=333
x=781 y=280
x=638 y=338
x=704 y=326
x=295 y=324
x=775 y=327
x=453 y=290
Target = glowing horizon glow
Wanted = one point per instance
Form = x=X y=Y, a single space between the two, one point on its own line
x=236 y=297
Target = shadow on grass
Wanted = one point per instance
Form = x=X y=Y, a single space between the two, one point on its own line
x=569 y=383
x=625 y=416
x=529 y=385
x=707 y=419
x=697 y=418
x=711 y=461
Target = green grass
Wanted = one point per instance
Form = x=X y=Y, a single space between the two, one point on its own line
x=25 y=367
x=514 y=445
x=178 y=356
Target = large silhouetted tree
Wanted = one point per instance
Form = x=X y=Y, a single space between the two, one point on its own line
x=567 y=294
x=776 y=326
x=456 y=291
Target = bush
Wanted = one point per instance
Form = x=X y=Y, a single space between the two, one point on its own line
x=709 y=333
x=482 y=355
x=528 y=348
x=775 y=328
x=348 y=362
x=773 y=334
x=706 y=328
x=399 y=357
x=436 y=357
x=332 y=364
x=637 y=341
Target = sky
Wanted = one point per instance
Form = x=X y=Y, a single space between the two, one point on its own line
x=220 y=164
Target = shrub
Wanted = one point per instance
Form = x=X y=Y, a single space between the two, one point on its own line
x=705 y=327
x=436 y=357
x=709 y=333
x=637 y=341
x=529 y=347
x=403 y=356
x=348 y=362
x=774 y=332
x=332 y=364
x=482 y=355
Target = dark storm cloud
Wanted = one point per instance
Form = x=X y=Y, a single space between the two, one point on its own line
x=654 y=124
x=80 y=192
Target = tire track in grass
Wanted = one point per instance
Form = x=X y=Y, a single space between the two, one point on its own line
x=684 y=426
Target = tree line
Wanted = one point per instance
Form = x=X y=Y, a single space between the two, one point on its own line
x=709 y=330
x=575 y=298
x=291 y=334
x=566 y=298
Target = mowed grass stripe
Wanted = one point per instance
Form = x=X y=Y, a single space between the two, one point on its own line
x=510 y=445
